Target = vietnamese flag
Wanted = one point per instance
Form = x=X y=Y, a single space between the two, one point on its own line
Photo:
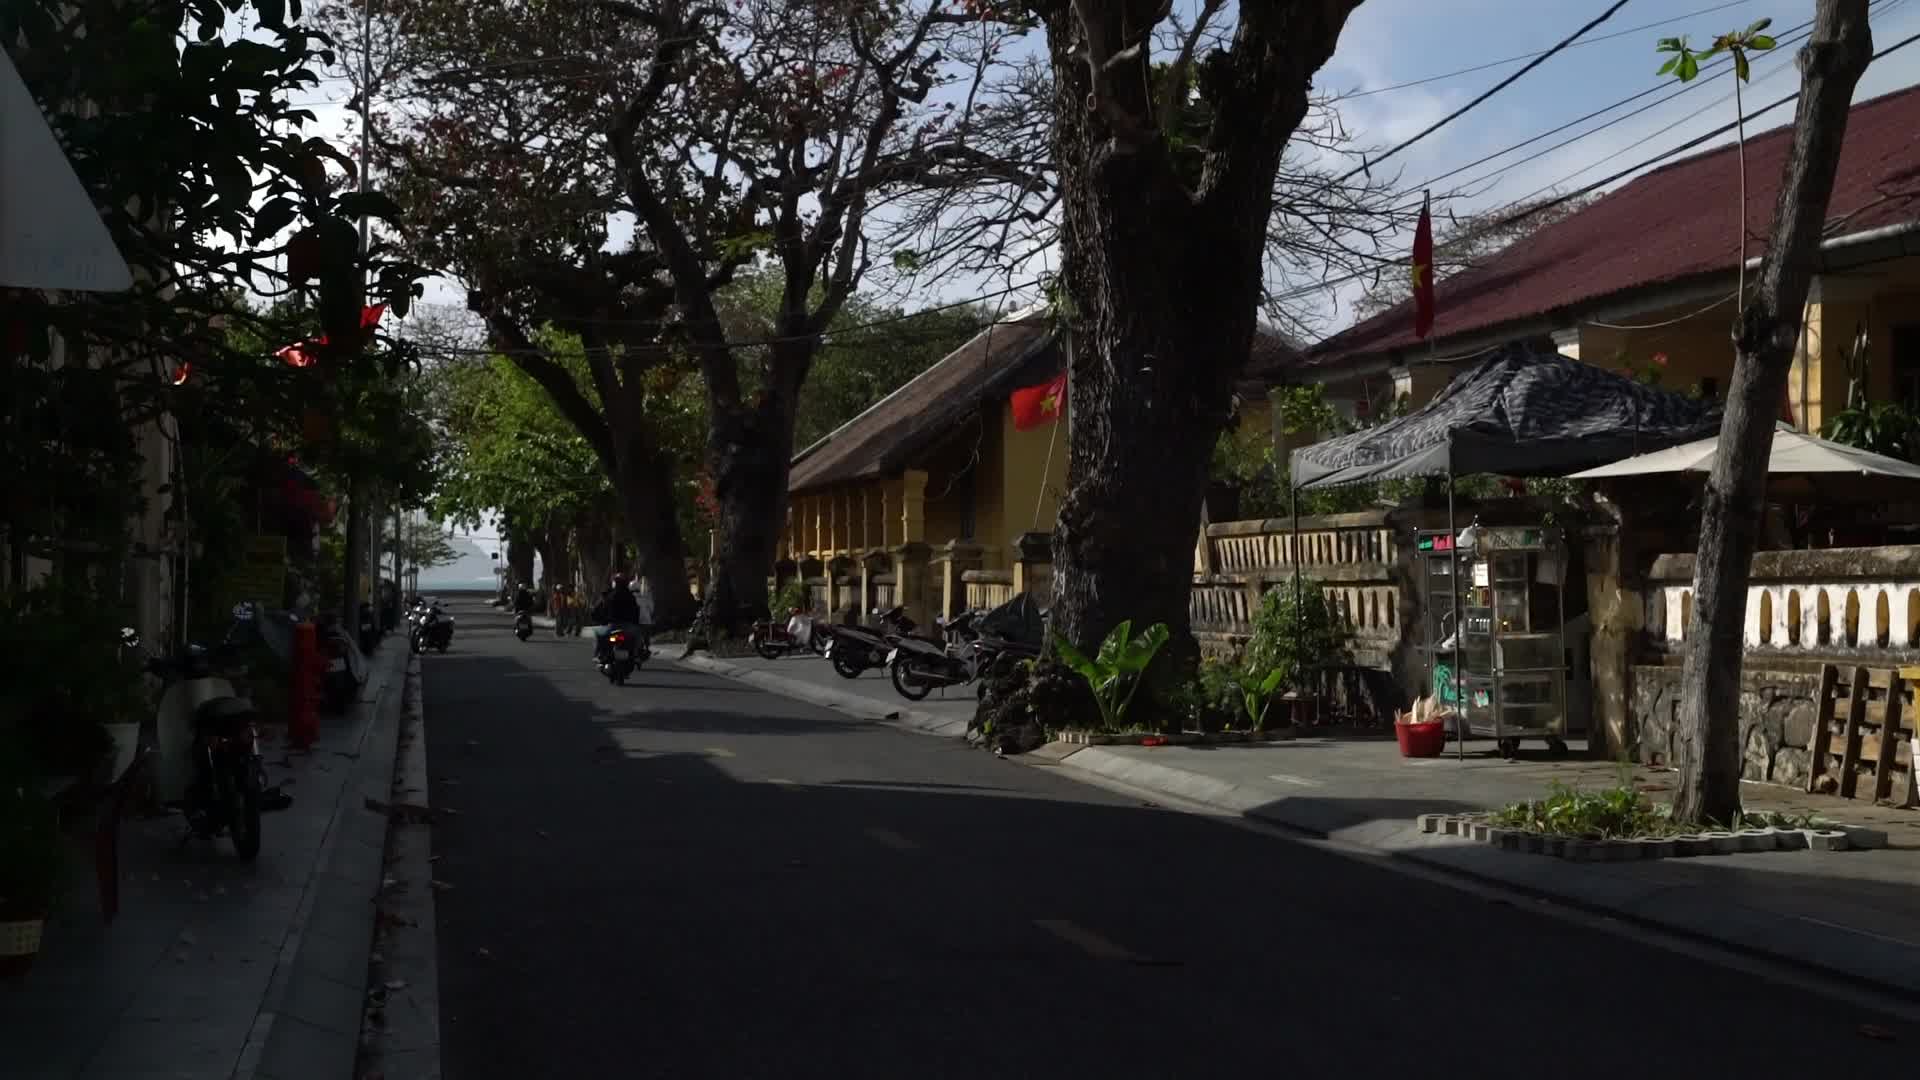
x=1423 y=270
x=1036 y=405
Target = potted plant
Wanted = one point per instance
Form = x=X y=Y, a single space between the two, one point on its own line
x=29 y=870
x=1297 y=640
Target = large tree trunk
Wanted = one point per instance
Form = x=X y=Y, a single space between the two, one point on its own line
x=558 y=553
x=1708 y=727
x=645 y=488
x=1163 y=271
x=748 y=453
x=595 y=536
x=519 y=560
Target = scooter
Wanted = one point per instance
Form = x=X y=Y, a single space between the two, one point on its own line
x=432 y=629
x=854 y=650
x=918 y=664
x=523 y=625
x=208 y=762
x=772 y=641
x=626 y=649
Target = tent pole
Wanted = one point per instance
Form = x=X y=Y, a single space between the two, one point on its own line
x=1299 y=624
x=1459 y=628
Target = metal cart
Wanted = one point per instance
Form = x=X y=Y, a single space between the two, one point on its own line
x=1513 y=654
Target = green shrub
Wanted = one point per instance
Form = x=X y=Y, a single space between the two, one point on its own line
x=793 y=594
x=1619 y=812
x=1296 y=641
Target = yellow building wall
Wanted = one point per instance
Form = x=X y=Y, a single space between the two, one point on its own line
x=1030 y=476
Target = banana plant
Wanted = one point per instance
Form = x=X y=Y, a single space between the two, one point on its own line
x=1114 y=673
x=1256 y=695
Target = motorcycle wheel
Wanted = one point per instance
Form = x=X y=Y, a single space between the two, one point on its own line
x=907 y=683
x=847 y=667
x=621 y=669
x=767 y=649
x=818 y=643
x=413 y=642
x=243 y=809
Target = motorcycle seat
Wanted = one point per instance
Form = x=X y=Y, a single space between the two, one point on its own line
x=225 y=713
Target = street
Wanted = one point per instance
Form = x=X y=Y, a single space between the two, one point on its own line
x=687 y=877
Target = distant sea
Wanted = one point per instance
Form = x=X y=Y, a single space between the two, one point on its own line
x=473 y=570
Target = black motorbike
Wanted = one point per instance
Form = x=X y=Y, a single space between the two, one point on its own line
x=853 y=649
x=229 y=791
x=919 y=663
x=625 y=650
x=523 y=624
x=432 y=629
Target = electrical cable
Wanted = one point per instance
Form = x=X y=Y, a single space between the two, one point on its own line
x=1365 y=165
x=1529 y=55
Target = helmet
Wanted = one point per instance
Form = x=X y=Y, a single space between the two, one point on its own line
x=620 y=580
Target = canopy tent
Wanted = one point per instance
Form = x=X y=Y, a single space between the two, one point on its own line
x=1520 y=413
x=1793 y=454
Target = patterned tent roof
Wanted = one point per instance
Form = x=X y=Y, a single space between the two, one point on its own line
x=1520 y=413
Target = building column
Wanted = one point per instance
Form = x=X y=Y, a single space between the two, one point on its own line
x=913 y=506
x=910 y=582
x=950 y=560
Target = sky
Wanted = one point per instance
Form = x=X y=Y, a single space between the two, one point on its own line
x=1390 y=42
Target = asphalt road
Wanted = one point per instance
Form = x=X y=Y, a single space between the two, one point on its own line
x=690 y=878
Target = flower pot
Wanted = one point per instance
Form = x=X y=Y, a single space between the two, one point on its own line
x=19 y=945
x=1425 y=739
x=126 y=743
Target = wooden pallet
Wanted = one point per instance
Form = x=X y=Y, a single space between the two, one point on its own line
x=1863 y=731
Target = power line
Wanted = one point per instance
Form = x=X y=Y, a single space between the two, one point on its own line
x=1523 y=213
x=1496 y=88
x=1529 y=55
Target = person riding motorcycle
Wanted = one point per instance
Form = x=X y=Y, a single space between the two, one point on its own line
x=523 y=599
x=622 y=610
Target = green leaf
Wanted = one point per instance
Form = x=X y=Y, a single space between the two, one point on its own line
x=1076 y=660
x=906 y=260
x=1142 y=649
x=273 y=13
x=1668 y=67
x=274 y=215
x=1762 y=43
x=1740 y=67
x=1689 y=67
x=1758 y=25
x=1272 y=681
x=1112 y=649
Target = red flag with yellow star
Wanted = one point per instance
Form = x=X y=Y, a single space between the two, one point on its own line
x=1036 y=405
x=1423 y=270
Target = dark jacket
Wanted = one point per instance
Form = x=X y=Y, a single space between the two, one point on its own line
x=523 y=599
x=622 y=608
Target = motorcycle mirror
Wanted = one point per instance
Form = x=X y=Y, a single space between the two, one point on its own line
x=243 y=611
x=876 y=611
x=129 y=637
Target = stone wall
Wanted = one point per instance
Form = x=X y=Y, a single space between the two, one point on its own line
x=1777 y=710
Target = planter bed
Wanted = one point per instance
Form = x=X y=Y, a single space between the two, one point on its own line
x=1820 y=836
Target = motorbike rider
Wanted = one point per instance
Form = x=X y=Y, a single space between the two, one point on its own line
x=622 y=611
x=523 y=599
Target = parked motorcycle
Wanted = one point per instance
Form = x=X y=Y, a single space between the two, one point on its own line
x=918 y=663
x=854 y=650
x=772 y=640
x=432 y=629
x=625 y=650
x=208 y=762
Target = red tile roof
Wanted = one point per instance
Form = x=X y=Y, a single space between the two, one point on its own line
x=1664 y=227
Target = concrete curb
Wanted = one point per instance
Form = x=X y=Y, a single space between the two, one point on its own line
x=856 y=705
x=313 y=1009
x=405 y=971
x=1887 y=966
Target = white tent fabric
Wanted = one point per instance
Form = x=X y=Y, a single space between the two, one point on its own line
x=1794 y=453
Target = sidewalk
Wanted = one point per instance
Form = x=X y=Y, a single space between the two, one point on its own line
x=1850 y=913
x=216 y=968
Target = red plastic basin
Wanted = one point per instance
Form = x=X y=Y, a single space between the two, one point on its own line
x=1425 y=739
